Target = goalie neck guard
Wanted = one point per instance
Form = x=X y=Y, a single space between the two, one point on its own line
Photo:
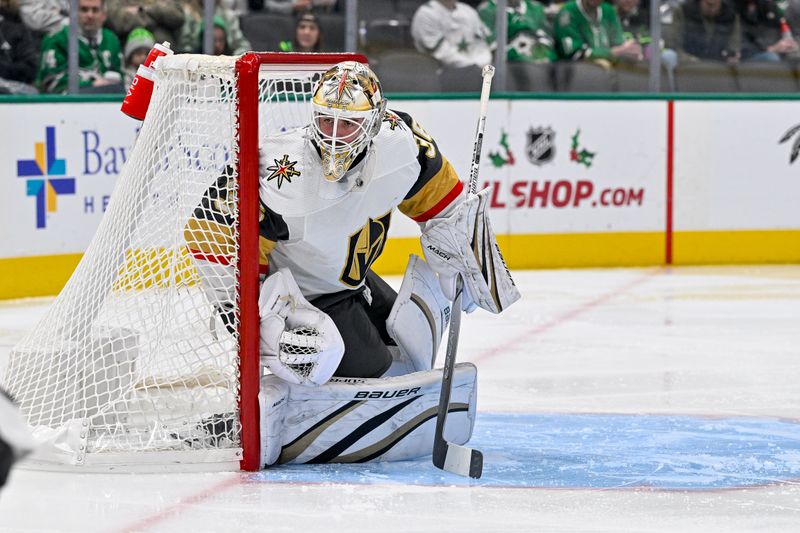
x=348 y=107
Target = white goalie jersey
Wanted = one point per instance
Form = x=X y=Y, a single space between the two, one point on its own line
x=329 y=233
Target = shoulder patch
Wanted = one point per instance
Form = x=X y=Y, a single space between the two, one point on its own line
x=282 y=170
x=393 y=121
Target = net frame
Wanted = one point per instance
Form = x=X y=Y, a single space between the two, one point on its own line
x=247 y=130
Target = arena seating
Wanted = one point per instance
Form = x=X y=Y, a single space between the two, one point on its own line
x=407 y=71
x=384 y=35
x=767 y=77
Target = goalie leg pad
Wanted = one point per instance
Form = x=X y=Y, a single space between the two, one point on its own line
x=355 y=420
x=273 y=399
x=419 y=316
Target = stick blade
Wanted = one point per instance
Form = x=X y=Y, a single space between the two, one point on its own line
x=458 y=459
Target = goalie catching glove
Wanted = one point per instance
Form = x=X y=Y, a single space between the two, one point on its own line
x=463 y=243
x=299 y=343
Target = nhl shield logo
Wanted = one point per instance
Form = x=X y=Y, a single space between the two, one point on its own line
x=541 y=145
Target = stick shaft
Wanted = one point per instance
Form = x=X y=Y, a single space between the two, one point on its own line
x=450 y=457
x=486 y=87
x=447 y=376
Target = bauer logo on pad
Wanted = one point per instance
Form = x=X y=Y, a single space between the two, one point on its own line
x=40 y=172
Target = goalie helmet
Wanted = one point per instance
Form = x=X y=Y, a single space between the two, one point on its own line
x=348 y=108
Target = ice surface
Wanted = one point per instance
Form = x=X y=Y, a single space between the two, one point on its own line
x=609 y=400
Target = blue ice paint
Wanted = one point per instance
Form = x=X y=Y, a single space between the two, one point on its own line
x=581 y=451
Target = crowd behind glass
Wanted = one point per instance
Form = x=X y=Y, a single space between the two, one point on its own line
x=423 y=45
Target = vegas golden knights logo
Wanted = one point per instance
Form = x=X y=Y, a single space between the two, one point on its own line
x=363 y=248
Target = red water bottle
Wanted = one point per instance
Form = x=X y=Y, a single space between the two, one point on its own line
x=137 y=99
x=158 y=50
x=786 y=32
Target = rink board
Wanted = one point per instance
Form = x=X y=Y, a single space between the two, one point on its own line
x=574 y=182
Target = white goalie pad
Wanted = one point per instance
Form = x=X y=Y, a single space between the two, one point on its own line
x=355 y=420
x=298 y=342
x=464 y=244
x=419 y=316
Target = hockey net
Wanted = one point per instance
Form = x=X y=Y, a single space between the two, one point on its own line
x=133 y=366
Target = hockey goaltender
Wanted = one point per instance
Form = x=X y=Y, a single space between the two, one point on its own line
x=330 y=327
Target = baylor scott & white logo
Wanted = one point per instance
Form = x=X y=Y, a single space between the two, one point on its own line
x=45 y=176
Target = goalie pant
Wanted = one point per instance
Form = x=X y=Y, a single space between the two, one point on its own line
x=304 y=345
x=355 y=420
x=360 y=316
x=15 y=440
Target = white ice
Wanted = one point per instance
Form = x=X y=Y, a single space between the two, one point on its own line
x=714 y=342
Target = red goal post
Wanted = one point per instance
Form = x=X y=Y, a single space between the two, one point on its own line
x=248 y=68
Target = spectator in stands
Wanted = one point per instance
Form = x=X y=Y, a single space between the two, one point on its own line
x=44 y=17
x=288 y=7
x=99 y=54
x=220 y=39
x=706 y=29
x=590 y=30
x=307 y=35
x=18 y=54
x=162 y=18
x=761 y=31
x=634 y=17
x=189 y=40
x=240 y=7
x=792 y=15
x=530 y=37
x=137 y=46
x=452 y=32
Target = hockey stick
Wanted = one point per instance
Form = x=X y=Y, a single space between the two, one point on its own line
x=446 y=455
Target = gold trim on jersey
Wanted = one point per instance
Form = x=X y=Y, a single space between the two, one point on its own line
x=215 y=240
x=209 y=237
x=432 y=192
x=265 y=247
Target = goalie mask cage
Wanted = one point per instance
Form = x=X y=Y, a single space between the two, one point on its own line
x=133 y=366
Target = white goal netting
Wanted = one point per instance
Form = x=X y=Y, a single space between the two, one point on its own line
x=136 y=362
